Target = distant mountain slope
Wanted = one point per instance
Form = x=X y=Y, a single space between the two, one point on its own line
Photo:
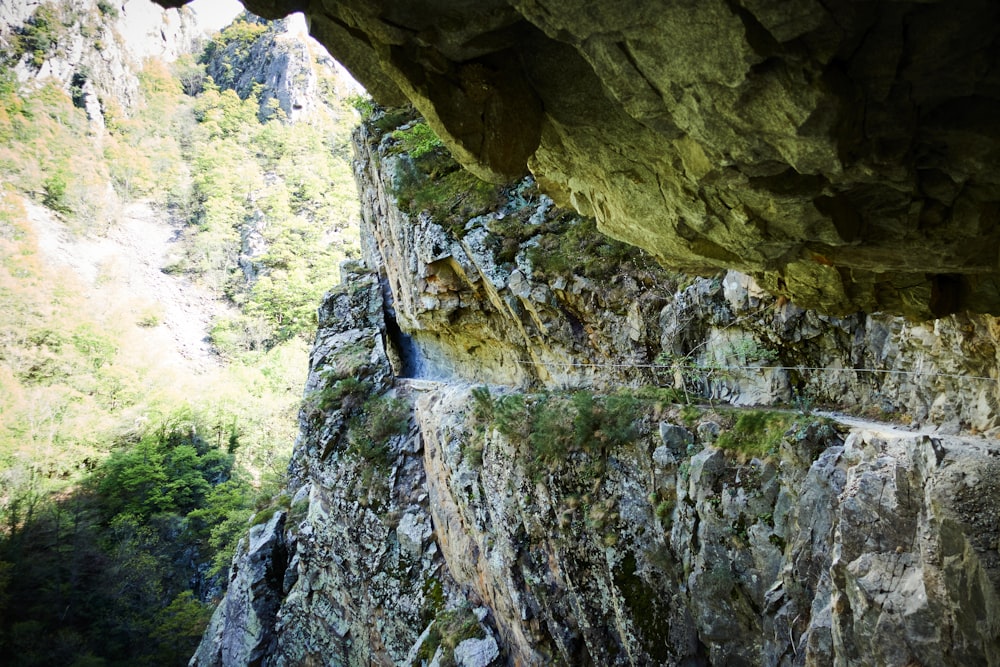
x=163 y=248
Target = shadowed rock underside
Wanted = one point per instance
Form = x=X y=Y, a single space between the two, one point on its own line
x=842 y=153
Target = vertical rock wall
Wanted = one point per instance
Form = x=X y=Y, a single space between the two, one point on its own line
x=865 y=547
x=666 y=540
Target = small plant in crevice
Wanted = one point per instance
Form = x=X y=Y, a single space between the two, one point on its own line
x=551 y=426
x=449 y=629
x=664 y=501
x=363 y=104
x=803 y=402
x=417 y=140
x=483 y=408
x=345 y=394
x=370 y=432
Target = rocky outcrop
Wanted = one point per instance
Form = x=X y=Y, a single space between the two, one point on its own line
x=842 y=154
x=470 y=302
x=348 y=573
x=94 y=49
x=296 y=76
x=239 y=633
x=511 y=294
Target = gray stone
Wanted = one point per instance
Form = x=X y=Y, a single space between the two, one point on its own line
x=412 y=532
x=663 y=457
x=677 y=438
x=708 y=432
x=476 y=652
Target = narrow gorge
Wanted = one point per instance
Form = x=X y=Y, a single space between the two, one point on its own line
x=520 y=445
x=500 y=333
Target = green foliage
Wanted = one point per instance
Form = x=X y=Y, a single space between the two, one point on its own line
x=108 y=568
x=345 y=394
x=551 y=430
x=428 y=180
x=55 y=193
x=231 y=46
x=179 y=627
x=483 y=408
x=108 y=8
x=756 y=433
x=41 y=34
x=573 y=244
x=512 y=417
x=363 y=104
x=46 y=150
x=747 y=350
x=450 y=198
x=121 y=507
x=370 y=432
x=552 y=425
x=386 y=417
x=417 y=140
x=450 y=628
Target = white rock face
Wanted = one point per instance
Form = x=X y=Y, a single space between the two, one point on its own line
x=148 y=30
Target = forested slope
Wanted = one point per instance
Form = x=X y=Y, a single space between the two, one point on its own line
x=163 y=253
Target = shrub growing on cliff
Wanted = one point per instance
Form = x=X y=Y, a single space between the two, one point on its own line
x=450 y=628
x=372 y=429
x=345 y=394
x=363 y=104
x=553 y=425
x=417 y=140
x=574 y=245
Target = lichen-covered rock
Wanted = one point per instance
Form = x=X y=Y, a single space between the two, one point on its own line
x=879 y=547
x=467 y=296
x=431 y=521
x=240 y=632
x=729 y=340
x=475 y=302
x=359 y=577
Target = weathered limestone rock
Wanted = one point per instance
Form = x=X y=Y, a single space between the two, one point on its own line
x=840 y=544
x=104 y=74
x=349 y=574
x=476 y=652
x=738 y=344
x=470 y=312
x=844 y=154
x=469 y=300
x=877 y=548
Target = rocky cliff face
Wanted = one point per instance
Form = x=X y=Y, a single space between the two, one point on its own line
x=94 y=49
x=619 y=512
x=517 y=292
x=297 y=77
x=843 y=154
x=864 y=548
x=347 y=572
